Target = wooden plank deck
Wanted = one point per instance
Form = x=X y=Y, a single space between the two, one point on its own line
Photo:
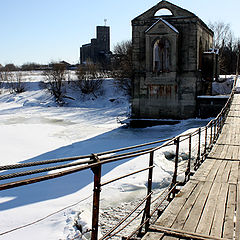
x=208 y=206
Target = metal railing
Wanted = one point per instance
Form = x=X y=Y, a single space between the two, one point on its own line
x=198 y=142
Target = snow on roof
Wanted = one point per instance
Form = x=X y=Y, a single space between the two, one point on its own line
x=212 y=50
x=164 y=21
x=211 y=97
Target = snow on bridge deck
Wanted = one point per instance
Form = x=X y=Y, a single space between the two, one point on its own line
x=208 y=206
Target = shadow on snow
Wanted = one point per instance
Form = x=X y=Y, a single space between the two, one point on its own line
x=59 y=187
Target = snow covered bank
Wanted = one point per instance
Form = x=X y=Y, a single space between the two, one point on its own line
x=34 y=128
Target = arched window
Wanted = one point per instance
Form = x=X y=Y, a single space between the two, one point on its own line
x=161 y=56
x=163 y=12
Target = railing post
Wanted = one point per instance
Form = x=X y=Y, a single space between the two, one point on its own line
x=174 y=180
x=214 y=135
x=96 y=198
x=211 y=136
x=148 y=202
x=223 y=119
x=205 y=148
x=218 y=126
x=197 y=163
x=187 y=173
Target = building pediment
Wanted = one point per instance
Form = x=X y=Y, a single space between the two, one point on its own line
x=161 y=26
x=175 y=10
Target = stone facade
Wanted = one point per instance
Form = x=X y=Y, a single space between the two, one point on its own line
x=98 y=50
x=167 y=61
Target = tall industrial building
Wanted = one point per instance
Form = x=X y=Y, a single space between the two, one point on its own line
x=98 y=50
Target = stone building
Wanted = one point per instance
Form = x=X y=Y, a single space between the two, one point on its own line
x=99 y=49
x=168 y=54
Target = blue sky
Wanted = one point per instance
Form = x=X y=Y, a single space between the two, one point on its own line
x=50 y=30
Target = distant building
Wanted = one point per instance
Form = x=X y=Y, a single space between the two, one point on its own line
x=98 y=51
x=172 y=62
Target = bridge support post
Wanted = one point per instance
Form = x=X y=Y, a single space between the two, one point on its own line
x=148 y=202
x=147 y=210
x=174 y=180
x=96 y=198
x=197 y=163
x=211 y=136
x=188 y=171
x=214 y=134
x=205 y=148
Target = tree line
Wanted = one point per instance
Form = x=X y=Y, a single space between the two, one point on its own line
x=228 y=47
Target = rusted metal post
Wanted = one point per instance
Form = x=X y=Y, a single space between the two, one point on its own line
x=187 y=173
x=220 y=123
x=218 y=126
x=211 y=136
x=205 y=148
x=96 y=198
x=214 y=134
x=148 y=202
x=174 y=180
x=223 y=119
x=197 y=163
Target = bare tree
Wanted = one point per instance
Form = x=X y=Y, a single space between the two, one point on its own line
x=123 y=66
x=1 y=80
x=12 y=80
x=222 y=34
x=30 y=66
x=55 y=81
x=225 y=42
x=237 y=50
x=16 y=83
x=6 y=77
x=89 y=78
x=10 y=67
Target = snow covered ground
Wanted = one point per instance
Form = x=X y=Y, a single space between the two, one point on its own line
x=33 y=127
x=223 y=87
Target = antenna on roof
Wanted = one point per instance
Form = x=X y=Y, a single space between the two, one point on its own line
x=105 y=22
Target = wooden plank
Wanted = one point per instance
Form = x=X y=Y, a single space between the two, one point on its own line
x=183 y=214
x=226 y=173
x=217 y=225
x=238 y=153
x=183 y=234
x=229 y=152
x=221 y=171
x=153 y=236
x=195 y=214
x=237 y=231
x=239 y=173
x=204 y=170
x=224 y=151
x=233 y=177
x=212 y=174
x=235 y=152
x=215 y=151
x=171 y=212
x=204 y=225
x=228 y=229
x=236 y=135
x=232 y=133
x=228 y=136
x=170 y=238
